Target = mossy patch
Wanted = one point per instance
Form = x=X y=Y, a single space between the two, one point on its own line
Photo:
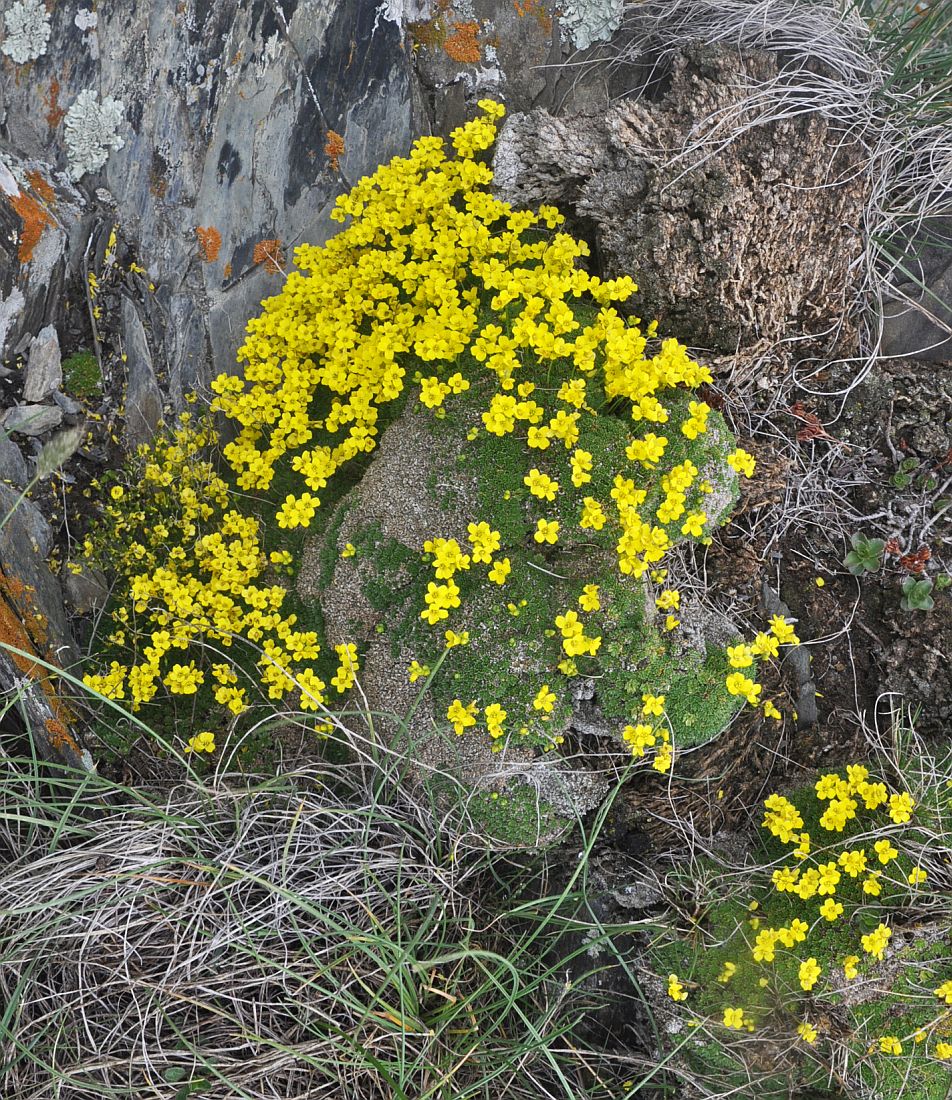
x=81 y=374
x=516 y=816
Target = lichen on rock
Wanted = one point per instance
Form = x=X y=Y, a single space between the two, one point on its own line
x=28 y=31
x=91 y=131
x=591 y=21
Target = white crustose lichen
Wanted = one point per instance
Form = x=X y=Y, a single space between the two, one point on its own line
x=28 y=31
x=91 y=132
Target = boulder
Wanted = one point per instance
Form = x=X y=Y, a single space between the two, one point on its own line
x=44 y=368
x=32 y=419
x=731 y=242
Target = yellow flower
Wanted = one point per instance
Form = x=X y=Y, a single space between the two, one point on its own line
x=484 y=541
x=901 y=807
x=889 y=1044
x=871 y=885
x=808 y=973
x=943 y=1050
x=544 y=700
x=117 y=492
x=740 y=656
x=944 y=992
x=734 y=1017
x=547 y=531
x=830 y=909
x=694 y=524
x=850 y=969
x=783 y=631
x=669 y=600
x=461 y=716
x=875 y=943
x=348 y=551
x=541 y=485
x=653 y=704
x=917 y=876
x=417 y=671
x=728 y=970
x=885 y=851
x=671 y=622
x=676 y=990
x=765 y=645
x=495 y=716
x=589 y=601
x=853 y=862
x=500 y=571
x=454 y=639
x=201 y=742
x=770 y=711
x=807 y=1032
x=742 y=462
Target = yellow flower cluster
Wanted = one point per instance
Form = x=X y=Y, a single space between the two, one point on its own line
x=191 y=572
x=426 y=256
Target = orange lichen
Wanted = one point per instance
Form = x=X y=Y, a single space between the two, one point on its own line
x=334 y=148
x=270 y=254
x=462 y=45
x=13 y=633
x=54 y=113
x=35 y=219
x=535 y=8
x=209 y=242
x=60 y=735
x=41 y=187
x=228 y=269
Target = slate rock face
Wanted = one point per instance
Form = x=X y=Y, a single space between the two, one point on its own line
x=44 y=369
x=143 y=396
x=729 y=245
x=228 y=112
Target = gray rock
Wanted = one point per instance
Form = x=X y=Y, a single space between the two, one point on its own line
x=67 y=404
x=40 y=246
x=229 y=136
x=143 y=396
x=729 y=245
x=44 y=368
x=86 y=591
x=32 y=419
x=919 y=323
x=12 y=464
x=29 y=586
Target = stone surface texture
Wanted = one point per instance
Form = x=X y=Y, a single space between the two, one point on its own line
x=44 y=369
x=729 y=244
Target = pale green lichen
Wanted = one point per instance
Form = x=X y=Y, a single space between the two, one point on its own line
x=28 y=31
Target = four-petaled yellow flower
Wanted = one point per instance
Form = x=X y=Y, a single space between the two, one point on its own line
x=734 y=1018
x=653 y=704
x=541 y=485
x=547 y=531
x=495 y=716
x=807 y=1032
x=417 y=671
x=676 y=990
x=462 y=716
x=500 y=571
x=875 y=942
x=589 y=599
x=808 y=973
x=544 y=700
